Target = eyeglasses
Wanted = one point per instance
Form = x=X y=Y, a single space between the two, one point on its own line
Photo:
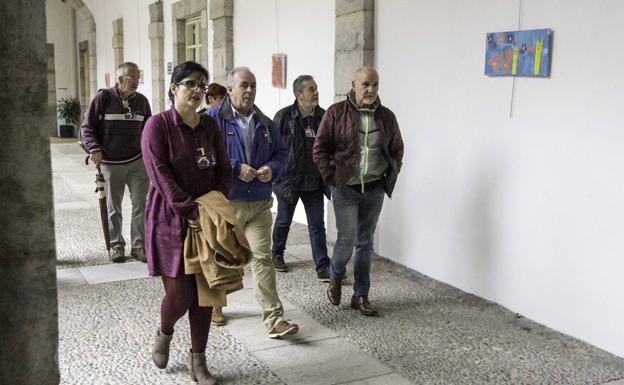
x=136 y=79
x=194 y=85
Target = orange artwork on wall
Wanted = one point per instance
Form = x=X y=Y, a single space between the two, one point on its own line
x=278 y=70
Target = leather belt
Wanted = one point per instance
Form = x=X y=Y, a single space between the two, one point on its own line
x=367 y=186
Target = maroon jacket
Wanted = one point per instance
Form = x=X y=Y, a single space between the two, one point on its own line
x=337 y=147
x=170 y=152
x=113 y=128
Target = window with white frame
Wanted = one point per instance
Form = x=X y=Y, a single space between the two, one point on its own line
x=193 y=39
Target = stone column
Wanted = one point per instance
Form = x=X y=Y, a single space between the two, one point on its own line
x=28 y=302
x=52 y=89
x=355 y=48
x=222 y=16
x=157 y=42
x=355 y=41
x=118 y=43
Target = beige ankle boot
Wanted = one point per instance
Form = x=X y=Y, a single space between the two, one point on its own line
x=160 y=352
x=196 y=363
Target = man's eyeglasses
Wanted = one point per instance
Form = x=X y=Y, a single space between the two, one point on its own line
x=133 y=78
x=194 y=85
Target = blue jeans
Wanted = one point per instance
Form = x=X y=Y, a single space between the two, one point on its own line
x=315 y=211
x=356 y=218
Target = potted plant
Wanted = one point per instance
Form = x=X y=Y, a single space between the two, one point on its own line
x=69 y=110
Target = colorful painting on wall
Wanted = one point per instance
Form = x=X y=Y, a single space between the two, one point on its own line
x=278 y=70
x=518 y=53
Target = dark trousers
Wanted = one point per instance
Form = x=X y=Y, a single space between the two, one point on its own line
x=180 y=297
x=315 y=213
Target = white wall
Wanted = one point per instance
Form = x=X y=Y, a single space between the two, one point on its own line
x=61 y=34
x=136 y=38
x=527 y=211
x=303 y=30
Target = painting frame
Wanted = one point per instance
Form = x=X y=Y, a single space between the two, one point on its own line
x=519 y=53
x=278 y=70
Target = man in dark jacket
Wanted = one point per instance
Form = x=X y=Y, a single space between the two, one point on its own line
x=298 y=124
x=358 y=151
x=257 y=156
x=111 y=132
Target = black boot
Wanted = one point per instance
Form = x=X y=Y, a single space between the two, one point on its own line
x=279 y=264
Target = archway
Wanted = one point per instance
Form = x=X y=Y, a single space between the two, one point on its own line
x=85 y=16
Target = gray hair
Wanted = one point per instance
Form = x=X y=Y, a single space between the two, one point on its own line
x=122 y=70
x=298 y=83
x=230 y=76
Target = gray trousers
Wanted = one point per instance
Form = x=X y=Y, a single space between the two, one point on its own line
x=117 y=176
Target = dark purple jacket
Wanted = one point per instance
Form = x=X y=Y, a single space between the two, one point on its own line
x=169 y=152
x=113 y=128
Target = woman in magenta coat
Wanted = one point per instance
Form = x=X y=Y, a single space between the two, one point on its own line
x=185 y=158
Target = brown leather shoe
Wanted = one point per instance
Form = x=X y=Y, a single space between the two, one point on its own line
x=334 y=291
x=283 y=328
x=362 y=304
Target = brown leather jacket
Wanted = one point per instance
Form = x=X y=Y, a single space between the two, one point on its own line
x=337 y=147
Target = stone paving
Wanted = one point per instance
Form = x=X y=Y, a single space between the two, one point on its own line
x=106 y=333
x=427 y=332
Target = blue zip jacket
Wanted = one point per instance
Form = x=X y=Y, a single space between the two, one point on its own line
x=268 y=149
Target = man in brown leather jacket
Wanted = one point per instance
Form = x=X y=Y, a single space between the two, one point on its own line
x=358 y=151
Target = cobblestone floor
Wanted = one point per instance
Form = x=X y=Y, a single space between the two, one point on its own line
x=427 y=333
x=106 y=333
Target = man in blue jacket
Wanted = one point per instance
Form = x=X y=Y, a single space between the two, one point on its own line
x=258 y=156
